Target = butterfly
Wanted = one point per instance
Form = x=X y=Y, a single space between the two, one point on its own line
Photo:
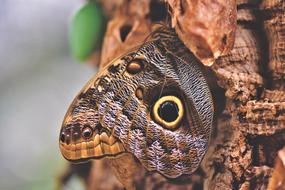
x=153 y=102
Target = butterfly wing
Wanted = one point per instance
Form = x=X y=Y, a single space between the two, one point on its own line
x=153 y=102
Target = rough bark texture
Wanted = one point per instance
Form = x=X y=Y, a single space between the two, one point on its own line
x=206 y=27
x=251 y=128
x=274 y=25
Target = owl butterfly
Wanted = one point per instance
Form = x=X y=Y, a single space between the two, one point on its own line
x=153 y=102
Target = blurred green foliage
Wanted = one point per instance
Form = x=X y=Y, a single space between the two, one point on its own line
x=86 y=30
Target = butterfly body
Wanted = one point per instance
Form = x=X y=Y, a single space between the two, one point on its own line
x=153 y=102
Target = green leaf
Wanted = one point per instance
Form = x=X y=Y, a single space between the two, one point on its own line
x=86 y=31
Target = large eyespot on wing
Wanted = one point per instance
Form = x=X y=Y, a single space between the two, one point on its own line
x=168 y=111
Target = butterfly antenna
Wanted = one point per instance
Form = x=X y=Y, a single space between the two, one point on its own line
x=145 y=40
x=163 y=24
x=162 y=87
